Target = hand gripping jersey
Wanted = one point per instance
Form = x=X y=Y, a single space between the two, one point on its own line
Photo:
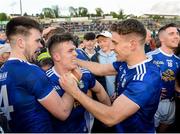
x=141 y=84
x=22 y=85
x=169 y=65
x=75 y=123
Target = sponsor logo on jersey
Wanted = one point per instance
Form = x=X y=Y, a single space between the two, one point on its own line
x=3 y=76
x=168 y=75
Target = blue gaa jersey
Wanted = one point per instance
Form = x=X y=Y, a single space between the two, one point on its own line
x=75 y=123
x=22 y=86
x=141 y=84
x=169 y=65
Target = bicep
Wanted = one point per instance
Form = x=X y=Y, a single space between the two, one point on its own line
x=123 y=107
x=53 y=103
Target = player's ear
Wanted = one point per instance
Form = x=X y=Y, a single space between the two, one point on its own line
x=133 y=44
x=20 y=42
x=56 y=56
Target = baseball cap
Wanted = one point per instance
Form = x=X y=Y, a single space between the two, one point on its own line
x=105 y=34
x=5 y=48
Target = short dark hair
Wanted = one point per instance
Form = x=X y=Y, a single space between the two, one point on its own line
x=58 y=38
x=163 y=28
x=89 y=36
x=21 y=25
x=130 y=26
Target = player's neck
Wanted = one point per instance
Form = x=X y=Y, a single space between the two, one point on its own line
x=60 y=69
x=18 y=56
x=167 y=50
x=136 y=59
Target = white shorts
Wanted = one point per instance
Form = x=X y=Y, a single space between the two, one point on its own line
x=165 y=113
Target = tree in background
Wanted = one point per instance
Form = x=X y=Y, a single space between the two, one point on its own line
x=83 y=12
x=114 y=14
x=73 y=11
x=99 y=12
x=48 y=12
x=121 y=15
x=3 y=17
x=56 y=10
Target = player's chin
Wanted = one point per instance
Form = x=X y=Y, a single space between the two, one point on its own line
x=73 y=66
x=119 y=59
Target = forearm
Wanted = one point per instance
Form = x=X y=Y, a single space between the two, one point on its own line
x=68 y=102
x=94 y=67
x=104 y=98
x=99 y=110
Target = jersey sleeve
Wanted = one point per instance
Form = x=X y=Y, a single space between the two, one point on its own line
x=92 y=80
x=38 y=84
x=116 y=65
x=89 y=77
x=139 y=92
x=142 y=92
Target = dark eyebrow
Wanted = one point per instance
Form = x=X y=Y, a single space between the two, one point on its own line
x=39 y=39
x=114 y=42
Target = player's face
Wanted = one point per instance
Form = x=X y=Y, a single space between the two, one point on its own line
x=171 y=38
x=104 y=43
x=121 y=46
x=68 y=55
x=33 y=45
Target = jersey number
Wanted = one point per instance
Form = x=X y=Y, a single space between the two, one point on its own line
x=4 y=100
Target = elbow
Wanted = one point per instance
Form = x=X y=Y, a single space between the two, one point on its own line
x=63 y=115
x=111 y=121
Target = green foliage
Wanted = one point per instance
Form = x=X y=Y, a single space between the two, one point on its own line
x=56 y=11
x=99 y=12
x=78 y=12
x=3 y=17
x=83 y=12
x=48 y=12
x=114 y=14
x=121 y=15
x=73 y=11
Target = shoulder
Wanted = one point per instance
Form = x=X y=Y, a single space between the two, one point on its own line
x=86 y=74
x=117 y=64
x=49 y=72
x=176 y=57
x=85 y=71
x=153 y=53
x=147 y=71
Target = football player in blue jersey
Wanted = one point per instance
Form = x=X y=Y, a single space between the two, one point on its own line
x=26 y=95
x=62 y=50
x=169 y=63
x=139 y=82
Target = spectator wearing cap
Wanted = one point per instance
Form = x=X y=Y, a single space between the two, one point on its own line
x=5 y=50
x=104 y=56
